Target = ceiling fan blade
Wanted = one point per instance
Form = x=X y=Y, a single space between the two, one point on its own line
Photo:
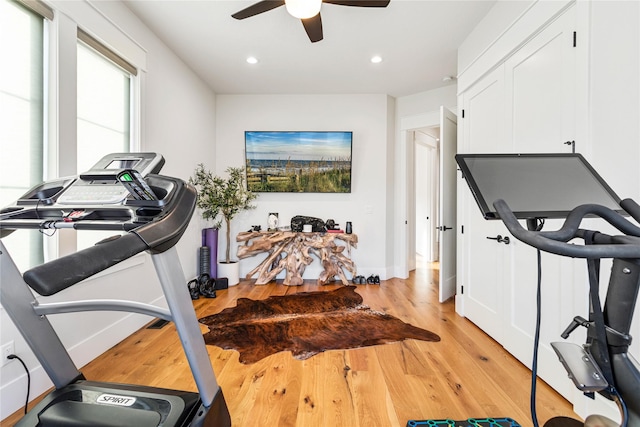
x=257 y=8
x=313 y=27
x=359 y=3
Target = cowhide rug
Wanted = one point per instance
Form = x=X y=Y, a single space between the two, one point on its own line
x=305 y=324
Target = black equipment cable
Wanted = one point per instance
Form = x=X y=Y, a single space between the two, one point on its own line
x=536 y=224
x=623 y=408
x=536 y=342
x=26 y=404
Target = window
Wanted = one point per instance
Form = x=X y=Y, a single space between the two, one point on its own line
x=104 y=103
x=22 y=118
x=104 y=111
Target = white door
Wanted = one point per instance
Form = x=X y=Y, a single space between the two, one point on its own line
x=485 y=265
x=447 y=204
x=531 y=98
x=540 y=95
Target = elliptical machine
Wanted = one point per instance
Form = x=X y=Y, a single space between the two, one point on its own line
x=122 y=192
x=537 y=186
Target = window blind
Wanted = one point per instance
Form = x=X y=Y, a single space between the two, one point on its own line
x=38 y=7
x=106 y=52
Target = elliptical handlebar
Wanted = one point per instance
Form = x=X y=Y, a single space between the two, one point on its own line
x=632 y=208
x=627 y=246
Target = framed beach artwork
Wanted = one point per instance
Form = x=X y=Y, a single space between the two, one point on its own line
x=299 y=161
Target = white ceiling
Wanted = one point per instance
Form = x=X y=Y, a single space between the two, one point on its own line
x=417 y=39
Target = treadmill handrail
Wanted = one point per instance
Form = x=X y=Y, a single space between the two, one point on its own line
x=164 y=231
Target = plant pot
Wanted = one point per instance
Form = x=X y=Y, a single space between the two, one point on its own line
x=229 y=270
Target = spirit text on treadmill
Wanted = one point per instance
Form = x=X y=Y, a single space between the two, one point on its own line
x=112 y=399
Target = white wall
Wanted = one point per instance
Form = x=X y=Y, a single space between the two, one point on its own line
x=390 y=187
x=614 y=86
x=426 y=102
x=614 y=115
x=179 y=112
x=368 y=203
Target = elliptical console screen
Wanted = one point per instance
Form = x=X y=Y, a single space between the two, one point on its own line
x=535 y=185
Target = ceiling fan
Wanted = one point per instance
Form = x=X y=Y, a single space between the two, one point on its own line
x=308 y=11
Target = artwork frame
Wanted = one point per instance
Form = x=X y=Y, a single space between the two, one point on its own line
x=299 y=161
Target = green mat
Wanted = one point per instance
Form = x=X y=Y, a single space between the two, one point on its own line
x=470 y=422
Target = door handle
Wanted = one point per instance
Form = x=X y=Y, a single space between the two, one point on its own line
x=443 y=228
x=500 y=239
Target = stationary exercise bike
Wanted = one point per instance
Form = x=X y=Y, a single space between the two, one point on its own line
x=123 y=193
x=538 y=186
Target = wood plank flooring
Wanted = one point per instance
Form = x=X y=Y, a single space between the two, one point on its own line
x=466 y=374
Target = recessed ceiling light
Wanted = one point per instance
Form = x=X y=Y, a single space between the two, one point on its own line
x=252 y=60
x=376 y=59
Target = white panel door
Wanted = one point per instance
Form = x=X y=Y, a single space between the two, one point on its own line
x=485 y=263
x=540 y=90
x=447 y=204
x=540 y=99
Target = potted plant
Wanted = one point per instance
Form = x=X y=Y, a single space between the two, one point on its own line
x=220 y=200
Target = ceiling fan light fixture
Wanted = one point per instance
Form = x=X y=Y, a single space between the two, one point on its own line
x=303 y=9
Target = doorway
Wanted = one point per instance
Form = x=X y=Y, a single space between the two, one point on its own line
x=443 y=224
x=426 y=193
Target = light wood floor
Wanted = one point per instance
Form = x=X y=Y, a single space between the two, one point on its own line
x=465 y=375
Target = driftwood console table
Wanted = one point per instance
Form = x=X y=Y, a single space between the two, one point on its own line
x=291 y=251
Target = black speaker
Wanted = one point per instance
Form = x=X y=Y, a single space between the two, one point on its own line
x=222 y=283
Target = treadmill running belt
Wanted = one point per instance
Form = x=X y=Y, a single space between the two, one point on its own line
x=68 y=413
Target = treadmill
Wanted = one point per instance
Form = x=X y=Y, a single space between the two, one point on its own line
x=123 y=192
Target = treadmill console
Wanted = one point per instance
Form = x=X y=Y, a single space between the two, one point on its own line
x=100 y=184
x=120 y=192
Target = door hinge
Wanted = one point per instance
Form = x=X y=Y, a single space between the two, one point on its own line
x=462 y=229
x=575 y=39
x=462 y=289
x=463 y=113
